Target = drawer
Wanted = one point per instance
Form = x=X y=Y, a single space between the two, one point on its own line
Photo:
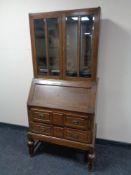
x=41 y=116
x=77 y=122
x=80 y=136
x=58 y=132
x=58 y=119
x=41 y=129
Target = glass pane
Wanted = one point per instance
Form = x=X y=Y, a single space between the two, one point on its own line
x=39 y=27
x=87 y=27
x=53 y=46
x=71 y=46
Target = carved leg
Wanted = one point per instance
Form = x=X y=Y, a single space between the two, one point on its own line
x=30 y=145
x=91 y=158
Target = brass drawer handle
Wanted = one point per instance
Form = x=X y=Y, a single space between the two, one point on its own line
x=76 y=122
x=75 y=136
x=45 y=130
x=41 y=115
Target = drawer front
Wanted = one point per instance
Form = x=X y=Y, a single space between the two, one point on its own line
x=58 y=119
x=41 y=129
x=41 y=116
x=77 y=122
x=58 y=132
x=80 y=136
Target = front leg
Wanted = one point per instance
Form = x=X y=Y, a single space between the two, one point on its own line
x=91 y=158
x=30 y=145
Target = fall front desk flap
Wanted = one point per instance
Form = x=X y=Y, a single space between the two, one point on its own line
x=62 y=95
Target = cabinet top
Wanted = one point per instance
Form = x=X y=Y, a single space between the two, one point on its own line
x=89 y=10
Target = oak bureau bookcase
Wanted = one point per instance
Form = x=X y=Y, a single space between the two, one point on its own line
x=61 y=102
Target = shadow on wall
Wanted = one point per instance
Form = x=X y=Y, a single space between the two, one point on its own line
x=113 y=67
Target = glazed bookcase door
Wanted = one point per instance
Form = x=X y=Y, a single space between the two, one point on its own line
x=53 y=46
x=71 y=44
x=40 y=45
x=80 y=34
x=86 y=37
x=46 y=36
x=65 y=44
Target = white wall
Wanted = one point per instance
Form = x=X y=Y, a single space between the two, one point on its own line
x=114 y=90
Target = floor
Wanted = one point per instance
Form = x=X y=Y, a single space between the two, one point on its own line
x=56 y=160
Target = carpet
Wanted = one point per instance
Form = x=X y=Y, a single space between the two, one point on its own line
x=57 y=160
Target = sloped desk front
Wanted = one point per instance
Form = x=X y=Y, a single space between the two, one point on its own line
x=62 y=112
